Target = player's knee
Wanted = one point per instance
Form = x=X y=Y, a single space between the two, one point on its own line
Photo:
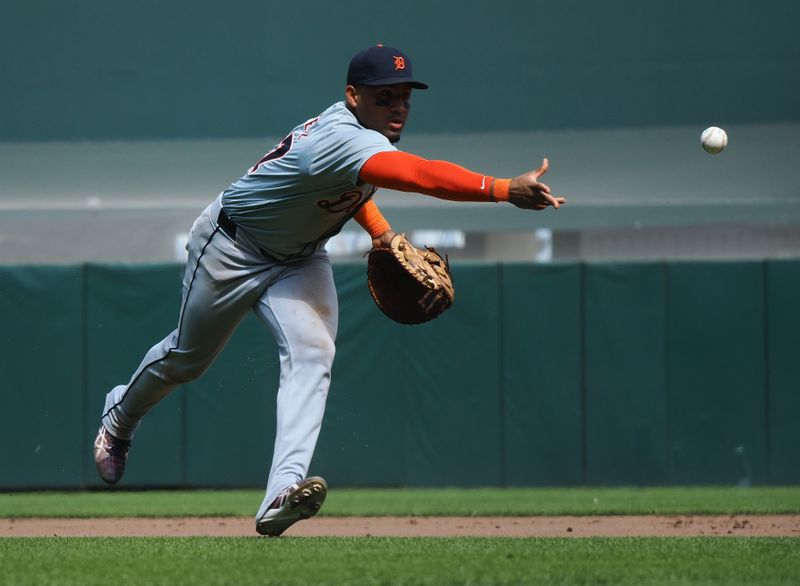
x=319 y=349
x=186 y=373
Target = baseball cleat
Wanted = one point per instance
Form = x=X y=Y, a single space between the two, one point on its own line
x=299 y=501
x=110 y=455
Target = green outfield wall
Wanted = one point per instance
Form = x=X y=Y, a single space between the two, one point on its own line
x=565 y=374
x=148 y=69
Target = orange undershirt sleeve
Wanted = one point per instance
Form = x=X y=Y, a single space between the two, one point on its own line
x=407 y=172
x=371 y=219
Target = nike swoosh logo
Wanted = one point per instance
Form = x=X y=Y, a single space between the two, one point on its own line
x=483 y=183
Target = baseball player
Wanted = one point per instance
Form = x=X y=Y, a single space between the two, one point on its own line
x=260 y=246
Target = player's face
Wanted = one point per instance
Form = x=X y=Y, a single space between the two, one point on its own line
x=383 y=108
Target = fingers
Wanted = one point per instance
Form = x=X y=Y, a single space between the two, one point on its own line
x=542 y=203
x=542 y=168
x=552 y=200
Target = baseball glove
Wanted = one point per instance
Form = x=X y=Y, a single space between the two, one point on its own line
x=408 y=284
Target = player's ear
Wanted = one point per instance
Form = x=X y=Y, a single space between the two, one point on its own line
x=351 y=96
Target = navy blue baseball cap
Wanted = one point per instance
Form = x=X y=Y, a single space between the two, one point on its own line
x=381 y=65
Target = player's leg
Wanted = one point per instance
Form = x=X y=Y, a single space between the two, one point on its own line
x=221 y=284
x=301 y=309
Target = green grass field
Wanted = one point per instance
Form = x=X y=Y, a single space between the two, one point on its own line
x=243 y=561
x=754 y=561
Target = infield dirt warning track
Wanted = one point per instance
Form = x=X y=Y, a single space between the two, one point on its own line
x=561 y=526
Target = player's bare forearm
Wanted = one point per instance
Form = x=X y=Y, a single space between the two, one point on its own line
x=384 y=240
x=527 y=192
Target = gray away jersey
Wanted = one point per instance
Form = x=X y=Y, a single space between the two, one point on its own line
x=305 y=189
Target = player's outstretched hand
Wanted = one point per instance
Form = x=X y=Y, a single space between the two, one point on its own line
x=527 y=192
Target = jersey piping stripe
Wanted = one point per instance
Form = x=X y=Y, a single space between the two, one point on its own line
x=180 y=322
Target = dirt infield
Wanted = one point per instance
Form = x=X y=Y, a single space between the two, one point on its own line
x=604 y=526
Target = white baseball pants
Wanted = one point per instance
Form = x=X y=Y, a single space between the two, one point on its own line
x=222 y=283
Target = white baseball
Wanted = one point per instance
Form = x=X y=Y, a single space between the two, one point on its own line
x=714 y=140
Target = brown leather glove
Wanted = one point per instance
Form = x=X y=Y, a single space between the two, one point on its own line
x=410 y=285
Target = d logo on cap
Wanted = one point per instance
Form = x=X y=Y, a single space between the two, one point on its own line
x=379 y=65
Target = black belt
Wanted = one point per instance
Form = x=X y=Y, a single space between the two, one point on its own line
x=229 y=228
x=226 y=224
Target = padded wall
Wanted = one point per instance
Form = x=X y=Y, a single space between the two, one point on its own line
x=716 y=372
x=626 y=407
x=783 y=370
x=43 y=376
x=541 y=384
x=563 y=374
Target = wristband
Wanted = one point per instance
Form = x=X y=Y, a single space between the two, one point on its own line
x=498 y=190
